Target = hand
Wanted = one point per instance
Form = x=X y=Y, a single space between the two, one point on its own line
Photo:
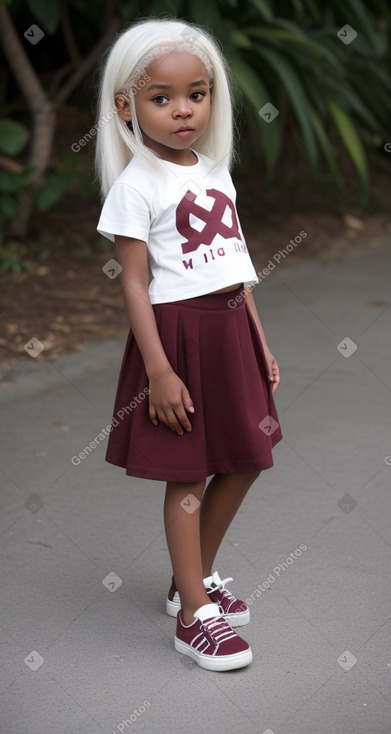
x=272 y=370
x=169 y=399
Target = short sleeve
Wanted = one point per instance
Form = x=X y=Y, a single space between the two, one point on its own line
x=125 y=212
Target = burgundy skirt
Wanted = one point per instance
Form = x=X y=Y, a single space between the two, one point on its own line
x=217 y=352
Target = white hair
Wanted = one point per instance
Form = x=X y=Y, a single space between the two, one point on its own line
x=126 y=62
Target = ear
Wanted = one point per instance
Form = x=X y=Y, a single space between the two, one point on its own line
x=123 y=107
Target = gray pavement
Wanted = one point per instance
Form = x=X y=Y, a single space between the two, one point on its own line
x=86 y=645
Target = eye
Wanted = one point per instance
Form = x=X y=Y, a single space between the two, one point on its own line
x=198 y=96
x=160 y=99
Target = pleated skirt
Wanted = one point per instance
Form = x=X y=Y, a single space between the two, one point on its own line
x=213 y=345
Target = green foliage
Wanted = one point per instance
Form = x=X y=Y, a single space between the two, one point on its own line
x=335 y=96
x=46 y=12
x=13 y=257
x=52 y=190
x=69 y=175
x=13 y=136
x=338 y=95
x=11 y=185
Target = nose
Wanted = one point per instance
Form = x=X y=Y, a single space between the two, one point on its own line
x=182 y=108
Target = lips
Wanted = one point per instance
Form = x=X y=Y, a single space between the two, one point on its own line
x=184 y=132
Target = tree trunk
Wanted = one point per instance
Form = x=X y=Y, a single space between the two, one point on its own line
x=43 y=109
x=42 y=113
x=41 y=148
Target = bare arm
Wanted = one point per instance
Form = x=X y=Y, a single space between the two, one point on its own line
x=132 y=256
x=253 y=310
x=273 y=369
x=169 y=397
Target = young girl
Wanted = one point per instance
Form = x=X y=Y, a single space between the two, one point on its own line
x=195 y=390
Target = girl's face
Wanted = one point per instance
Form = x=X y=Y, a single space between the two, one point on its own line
x=173 y=108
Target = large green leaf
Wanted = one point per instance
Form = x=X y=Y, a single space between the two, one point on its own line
x=283 y=39
x=13 y=136
x=313 y=8
x=47 y=13
x=8 y=206
x=257 y=95
x=361 y=19
x=351 y=140
x=326 y=148
x=263 y=8
x=52 y=189
x=353 y=102
x=293 y=87
x=11 y=182
x=240 y=39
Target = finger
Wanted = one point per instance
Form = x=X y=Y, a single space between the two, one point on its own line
x=153 y=414
x=181 y=418
x=187 y=401
x=276 y=382
x=169 y=418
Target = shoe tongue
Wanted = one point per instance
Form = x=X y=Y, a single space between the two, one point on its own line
x=207 y=612
x=216 y=578
x=212 y=582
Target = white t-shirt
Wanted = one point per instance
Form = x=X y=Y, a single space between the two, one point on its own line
x=189 y=222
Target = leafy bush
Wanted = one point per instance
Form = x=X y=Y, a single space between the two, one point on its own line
x=332 y=83
x=329 y=83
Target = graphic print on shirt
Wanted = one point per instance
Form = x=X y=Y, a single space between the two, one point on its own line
x=214 y=224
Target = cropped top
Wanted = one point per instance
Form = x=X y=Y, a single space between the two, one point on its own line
x=189 y=222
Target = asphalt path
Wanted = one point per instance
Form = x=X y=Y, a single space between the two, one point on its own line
x=86 y=645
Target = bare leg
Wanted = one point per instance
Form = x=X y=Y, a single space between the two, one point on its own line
x=183 y=539
x=221 y=501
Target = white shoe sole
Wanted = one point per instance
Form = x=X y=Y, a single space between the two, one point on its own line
x=215 y=662
x=235 y=620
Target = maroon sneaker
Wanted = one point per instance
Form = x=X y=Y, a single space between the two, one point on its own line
x=211 y=641
x=233 y=610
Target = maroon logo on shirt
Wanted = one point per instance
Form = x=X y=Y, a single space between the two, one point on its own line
x=213 y=220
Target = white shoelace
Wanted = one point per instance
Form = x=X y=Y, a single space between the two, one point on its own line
x=218 y=630
x=221 y=586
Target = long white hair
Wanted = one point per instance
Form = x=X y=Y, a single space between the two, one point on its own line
x=125 y=65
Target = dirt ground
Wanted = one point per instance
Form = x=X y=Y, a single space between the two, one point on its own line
x=67 y=301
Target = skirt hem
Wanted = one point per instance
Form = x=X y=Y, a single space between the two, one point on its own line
x=188 y=476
